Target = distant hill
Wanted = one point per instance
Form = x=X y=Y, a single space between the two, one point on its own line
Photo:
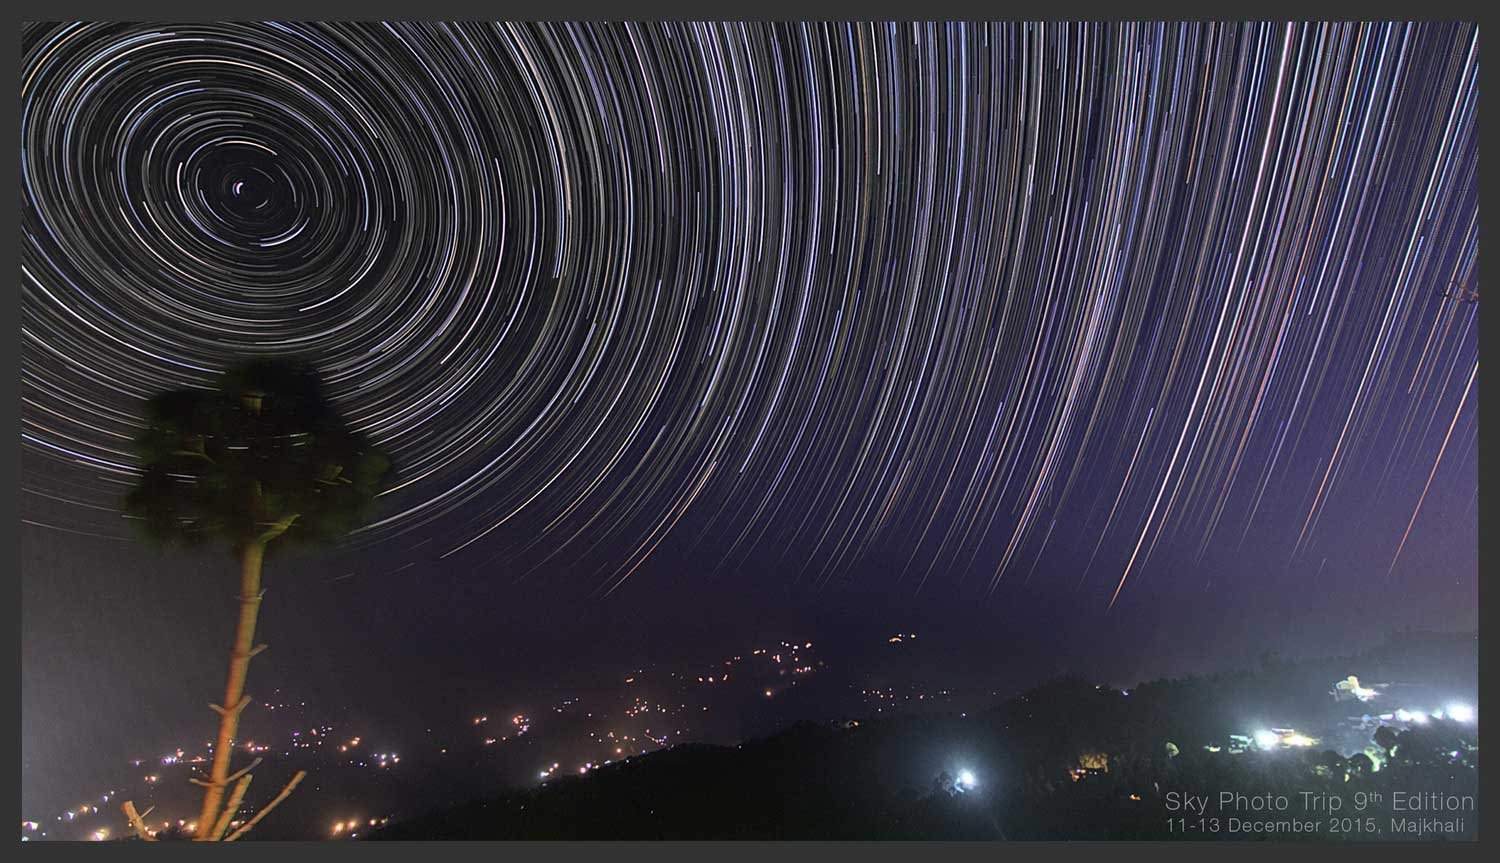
x=1067 y=760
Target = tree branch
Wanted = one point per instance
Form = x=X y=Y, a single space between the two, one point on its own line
x=245 y=828
x=278 y=528
x=232 y=806
x=241 y=772
x=136 y=822
x=244 y=702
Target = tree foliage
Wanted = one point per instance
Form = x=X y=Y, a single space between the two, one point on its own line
x=264 y=448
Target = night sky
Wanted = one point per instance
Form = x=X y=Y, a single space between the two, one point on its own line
x=1134 y=349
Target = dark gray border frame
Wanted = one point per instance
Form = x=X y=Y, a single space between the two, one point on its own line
x=764 y=10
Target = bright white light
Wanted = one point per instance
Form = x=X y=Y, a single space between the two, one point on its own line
x=966 y=779
x=1404 y=715
x=1460 y=713
x=1267 y=739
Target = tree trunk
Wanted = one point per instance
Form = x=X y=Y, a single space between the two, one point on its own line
x=234 y=689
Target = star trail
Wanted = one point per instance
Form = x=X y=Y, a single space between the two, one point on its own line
x=908 y=308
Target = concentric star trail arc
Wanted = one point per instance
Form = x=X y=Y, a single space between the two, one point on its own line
x=912 y=307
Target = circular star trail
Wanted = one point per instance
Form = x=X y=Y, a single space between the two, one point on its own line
x=925 y=307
